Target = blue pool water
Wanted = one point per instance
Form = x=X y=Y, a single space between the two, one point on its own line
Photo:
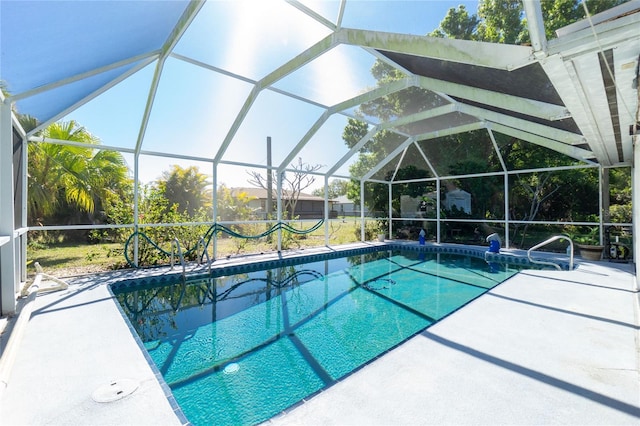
x=240 y=349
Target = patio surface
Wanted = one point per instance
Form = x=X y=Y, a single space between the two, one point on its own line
x=544 y=347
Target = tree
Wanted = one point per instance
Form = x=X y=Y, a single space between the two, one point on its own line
x=187 y=188
x=538 y=191
x=500 y=21
x=180 y=195
x=371 y=154
x=503 y=21
x=68 y=181
x=337 y=188
x=620 y=189
x=556 y=191
x=560 y=13
x=154 y=207
x=457 y=24
x=293 y=183
x=233 y=207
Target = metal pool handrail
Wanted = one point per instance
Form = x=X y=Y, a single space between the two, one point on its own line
x=205 y=253
x=176 y=244
x=544 y=243
x=213 y=229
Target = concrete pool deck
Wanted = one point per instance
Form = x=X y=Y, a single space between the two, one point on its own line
x=544 y=347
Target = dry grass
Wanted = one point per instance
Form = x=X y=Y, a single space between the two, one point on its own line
x=65 y=259
x=75 y=259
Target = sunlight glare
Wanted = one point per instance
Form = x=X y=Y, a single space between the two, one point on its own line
x=253 y=19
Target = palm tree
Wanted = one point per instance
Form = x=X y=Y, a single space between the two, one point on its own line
x=186 y=187
x=64 y=178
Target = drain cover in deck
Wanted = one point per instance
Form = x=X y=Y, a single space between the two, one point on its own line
x=114 y=390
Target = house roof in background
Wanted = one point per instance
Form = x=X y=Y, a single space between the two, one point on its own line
x=261 y=194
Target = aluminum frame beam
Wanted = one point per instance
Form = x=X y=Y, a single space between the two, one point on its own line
x=392 y=155
x=377 y=93
x=518 y=104
x=299 y=61
x=492 y=55
x=604 y=35
x=9 y=270
x=535 y=22
x=569 y=150
x=528 y=126
x=181 y=26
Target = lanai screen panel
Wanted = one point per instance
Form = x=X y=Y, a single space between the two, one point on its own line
x=521 y=99
x=383 y=16
x=521 y=155
x=283 y=118
x=46 y=105
x=338 y=75
x=37 y=53
x=439 y=124
x=462 y=154
x=105 y=117
x=326 y=147
x=249 y=38
x=528 y=82
x=411 y=103
x=392 y=151
x=413 y=164
x=200 y=103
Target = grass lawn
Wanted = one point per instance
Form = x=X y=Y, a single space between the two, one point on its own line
x=75 y=258
x=68 y=259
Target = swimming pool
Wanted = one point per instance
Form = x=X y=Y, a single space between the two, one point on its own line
x=241 y=348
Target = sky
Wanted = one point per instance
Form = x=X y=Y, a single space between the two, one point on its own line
x=195 y=107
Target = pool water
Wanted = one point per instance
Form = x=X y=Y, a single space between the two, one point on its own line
x=240 y=349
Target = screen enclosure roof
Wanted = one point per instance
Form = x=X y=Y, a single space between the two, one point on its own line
x=208 y=80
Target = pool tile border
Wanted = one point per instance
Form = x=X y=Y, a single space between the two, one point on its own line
x=161 y=276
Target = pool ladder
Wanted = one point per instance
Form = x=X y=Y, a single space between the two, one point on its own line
x=175 y=248
x=205 y=254
x=544 y=243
